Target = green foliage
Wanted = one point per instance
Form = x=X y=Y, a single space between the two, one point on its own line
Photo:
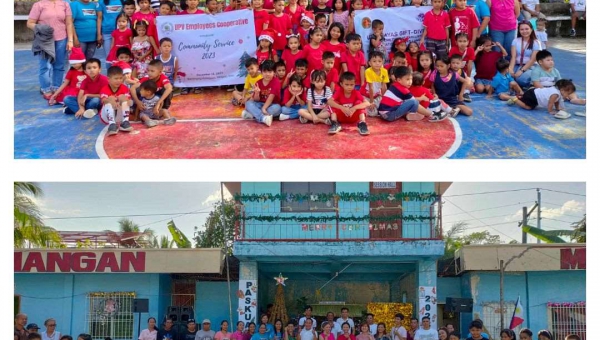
x=128 y=226
x=29 y=227
x=212 y=234
x=178 y=237
x=453 y=240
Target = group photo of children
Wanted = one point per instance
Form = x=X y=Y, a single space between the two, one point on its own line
x=309 y=63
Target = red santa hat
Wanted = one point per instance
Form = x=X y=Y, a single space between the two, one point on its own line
x=308 y=16
x=268 y=34
x=123 y=65
x=77 y=56
x=400 y=41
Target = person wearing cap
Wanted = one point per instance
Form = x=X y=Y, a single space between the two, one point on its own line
x=50 y=333
x=20 y=332
x=190 y=332
x=205 y=333
x=72 y=83
x=33 y=328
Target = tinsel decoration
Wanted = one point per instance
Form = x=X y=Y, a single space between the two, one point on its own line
x=342 y=196
x=385 y=312
x=566 y=304
x=317 y=219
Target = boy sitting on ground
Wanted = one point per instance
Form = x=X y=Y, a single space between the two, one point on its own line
x=152 y=112
x=163 y=86
x=242 y=93
x=348 y=105
x=87 y=102
x=503 y=84
x=115 y=99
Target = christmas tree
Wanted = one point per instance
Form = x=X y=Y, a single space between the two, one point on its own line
x=242 y=66
x=279 y=311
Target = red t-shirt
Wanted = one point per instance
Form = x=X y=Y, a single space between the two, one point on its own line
x=91 y=86
x=337 y=50
x=427 y=83
x=306 y=81
x=462 y=22
x=314 y=57
x=467 y=55
x=261 y=17
x=232 y=8
x=198 y=11
x=332 y=76
x=366 y=4
x=486 y=64
x=296 y=16
x=272 y=88
x=413 y=62
x=304 y=38
x=262 y=56
x=436 y=25
x=75 y=79
x=150 y=19
x=283 y=26
x=290 y=59
x=354 y=63
x=418 y=91
x=161 y=82
x=107 y=91
x=354 y=99
x=287 y=95
x=268 y=4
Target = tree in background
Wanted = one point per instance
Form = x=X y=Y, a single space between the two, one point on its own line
x=554 y=236
x=128 y=226
x=212 y=235
x=29 y=228
x=178 y=237
x=453 y=241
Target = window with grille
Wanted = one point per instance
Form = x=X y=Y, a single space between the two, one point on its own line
x=109 y=314
x=566 y=318
x=304 y=188
x=492 y=313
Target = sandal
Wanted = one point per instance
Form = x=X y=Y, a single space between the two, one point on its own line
x=579 y=113
x=562 y=115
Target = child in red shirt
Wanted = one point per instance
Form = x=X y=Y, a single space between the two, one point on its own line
x=300 y=70
x=294 y=99
x=73 y=79
x=115 y=97
x=261 y=17
x=466 y=52
x=264 y=104
x=306 y=22
x=236 y=5
x=413 y=52
x=265 y=49
x=464 y=20
x=332 y=73
x=436 y=28
x=295 y=11
x=164 y=87
x=335 y=44
x=87 y=102
x=427 y=99
x=354 y=59
x=485 y=62
x=292 y=53
x=348 y=106
x=281 y=23
x=147 y=15
x=313 y=52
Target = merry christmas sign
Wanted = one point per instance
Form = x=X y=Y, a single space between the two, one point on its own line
x=211 y=49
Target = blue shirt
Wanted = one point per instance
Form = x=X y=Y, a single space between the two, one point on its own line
x=84 y=20
x=109 y=14
x=258 y=336
x=481 y=9
x=501 y=83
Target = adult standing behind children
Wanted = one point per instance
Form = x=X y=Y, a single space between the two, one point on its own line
x=425 y=332
x=56 y=14
x=503 y=21
x=523 y=54
x=150 y=332
x=346 y=318
x=107 y=12
x=85 y=21
x=167 y=332
x=205 y=333
x=50 y=333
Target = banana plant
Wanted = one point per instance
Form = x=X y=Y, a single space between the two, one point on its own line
x=548 y=236
x=178 y=237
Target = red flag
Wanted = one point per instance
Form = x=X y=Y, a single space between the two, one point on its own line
x=517 y=317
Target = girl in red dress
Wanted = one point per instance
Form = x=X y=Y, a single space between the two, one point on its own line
x=121 y=37
x=149 y=16
x=412 y=56
x=334 y=44
x=265 y=49
x=292 y=52
x=306 y=22
x=426 y=67
x=313 y=52
x=295 y=11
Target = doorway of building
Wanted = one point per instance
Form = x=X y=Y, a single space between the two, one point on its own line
x=448 y=317
x=385 y=208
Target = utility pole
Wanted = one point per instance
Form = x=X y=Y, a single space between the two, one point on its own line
x=539 y=211
x=502 y=294
x=523 y=223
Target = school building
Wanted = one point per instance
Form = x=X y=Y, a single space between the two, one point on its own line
x=368 y=246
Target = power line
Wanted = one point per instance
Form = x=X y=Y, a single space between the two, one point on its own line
x=491 y=208
x=133 y=215
x=489 y=192
x=563 y=192
x=473 y=219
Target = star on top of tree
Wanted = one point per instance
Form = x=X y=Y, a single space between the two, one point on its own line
x=280 y=279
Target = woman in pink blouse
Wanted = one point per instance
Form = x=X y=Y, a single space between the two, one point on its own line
x=503 y=21
x=56 y=14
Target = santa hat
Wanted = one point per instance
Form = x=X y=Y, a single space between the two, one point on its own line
x=77 y=56
x=123 y=65
x=308 y=16
x=268 y=34
x=400 y=41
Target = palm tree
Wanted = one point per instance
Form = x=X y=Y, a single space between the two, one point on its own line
x=163 y=243
x=128 y=226
x=29 y=228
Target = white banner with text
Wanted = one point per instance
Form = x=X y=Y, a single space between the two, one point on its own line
x=211 y=49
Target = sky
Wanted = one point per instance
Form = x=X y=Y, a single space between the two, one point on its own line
x=480 y=205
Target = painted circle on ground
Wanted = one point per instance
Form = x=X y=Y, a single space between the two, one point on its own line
x=246 y=139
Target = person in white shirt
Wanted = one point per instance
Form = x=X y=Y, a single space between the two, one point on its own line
x=307 y=315
x=371 y=323
x=345 y=318
x=150 y=332
x=531 y=8
x=50 y=333
x=308 y=331
x=336 y=328
x=577 y=11
x=398 y=331
x=425 y=332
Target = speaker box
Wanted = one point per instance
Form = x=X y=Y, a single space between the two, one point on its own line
x=186 y=313
x=458 y=305
x=140 y=305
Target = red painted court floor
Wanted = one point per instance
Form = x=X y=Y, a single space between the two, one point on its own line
x=247 y=139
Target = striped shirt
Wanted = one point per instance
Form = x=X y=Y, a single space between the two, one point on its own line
x=318 y=100
x=394 y=97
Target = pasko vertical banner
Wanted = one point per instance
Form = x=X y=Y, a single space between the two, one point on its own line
x=211 y=49
x=428 y=304
x=398 y=22
x=247 y=301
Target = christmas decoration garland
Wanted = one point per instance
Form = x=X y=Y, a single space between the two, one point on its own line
x=566 y=304
x=385 y=312
x=314 y=219
x=341 y=196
